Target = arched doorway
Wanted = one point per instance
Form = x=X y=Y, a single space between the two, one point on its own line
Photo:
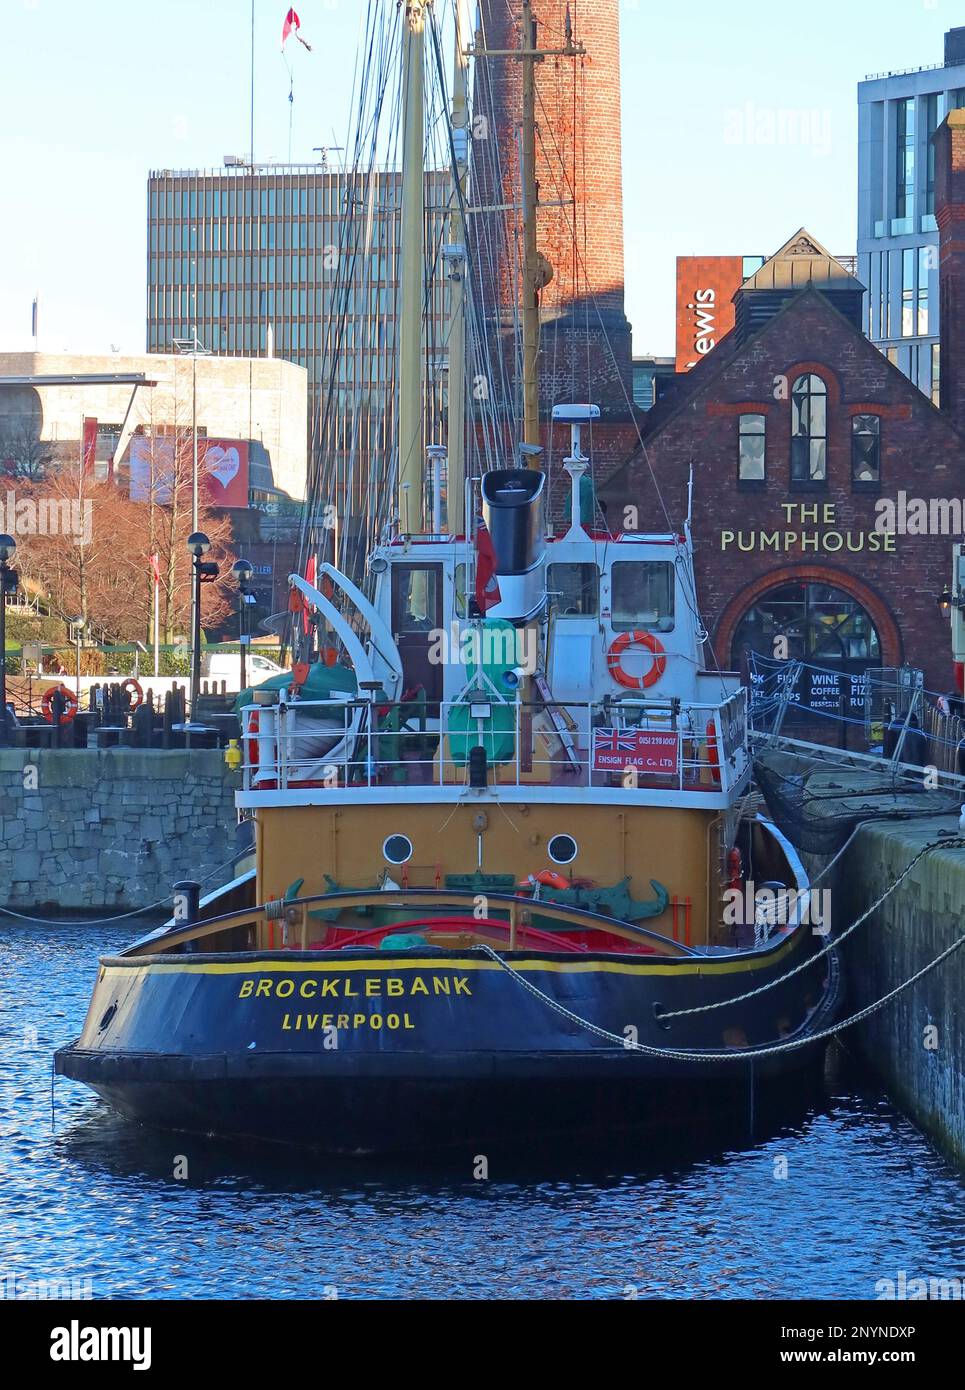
x=832 y=624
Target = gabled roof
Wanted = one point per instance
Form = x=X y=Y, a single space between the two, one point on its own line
x=800 y=262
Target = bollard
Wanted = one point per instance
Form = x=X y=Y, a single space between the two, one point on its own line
x=187 y=896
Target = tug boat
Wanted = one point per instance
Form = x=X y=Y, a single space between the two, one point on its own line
x=499 y=850
x=492 y=909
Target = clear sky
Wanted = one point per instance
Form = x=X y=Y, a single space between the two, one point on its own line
x=94 y=93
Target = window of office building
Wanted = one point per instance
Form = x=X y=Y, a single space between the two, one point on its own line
x=934 y=113
x=908 y=293
x=809 y=429
x=884 y=321
x=924 y=262
x=935 y=371
x=905 y=158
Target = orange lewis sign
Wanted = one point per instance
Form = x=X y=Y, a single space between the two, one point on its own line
x=706 y=286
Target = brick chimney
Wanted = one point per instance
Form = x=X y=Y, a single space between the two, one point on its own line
x=950 y=214
x=585 y=337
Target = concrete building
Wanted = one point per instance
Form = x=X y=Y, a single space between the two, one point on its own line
x=261 y=402
x=898 y=113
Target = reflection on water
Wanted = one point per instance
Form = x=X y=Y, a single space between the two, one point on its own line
x=822 y=1201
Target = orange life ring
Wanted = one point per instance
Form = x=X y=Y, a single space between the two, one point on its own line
x=640 y=638
x=546 y=877
x=73 y=704
x=133 y=686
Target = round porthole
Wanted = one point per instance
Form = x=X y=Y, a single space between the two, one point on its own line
x=562 y=849
x=397 y=849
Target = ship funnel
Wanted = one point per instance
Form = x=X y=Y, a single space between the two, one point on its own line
x=513 y=501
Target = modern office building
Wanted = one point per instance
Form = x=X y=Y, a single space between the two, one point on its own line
x=898 y=113
x=291 y=261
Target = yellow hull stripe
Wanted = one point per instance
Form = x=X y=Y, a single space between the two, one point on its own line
x=706 y=965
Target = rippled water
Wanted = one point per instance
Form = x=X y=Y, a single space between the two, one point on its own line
x=865 y=1195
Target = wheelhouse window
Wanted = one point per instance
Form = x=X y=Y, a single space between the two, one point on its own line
x=642 y=595
x=574 y=590
x=809 y=430
x=866 y=449
x=751 y=435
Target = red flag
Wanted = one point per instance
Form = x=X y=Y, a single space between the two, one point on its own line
x=311 y=574
x=156 y=569
x=292 y=25
x=90 y=444
x=487 y=585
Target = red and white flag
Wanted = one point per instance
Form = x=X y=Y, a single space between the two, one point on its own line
x=487 y=585
x=156 y=570
x=292 y=25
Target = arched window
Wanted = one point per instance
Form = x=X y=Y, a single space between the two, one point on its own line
x=809 y=430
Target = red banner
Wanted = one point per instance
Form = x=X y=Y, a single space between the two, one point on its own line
x=223 y=464
x=89 y=448
x=645 y=749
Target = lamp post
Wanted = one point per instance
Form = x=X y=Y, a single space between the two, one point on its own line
x=204 y=573
x=8 y=582
x=242 y=571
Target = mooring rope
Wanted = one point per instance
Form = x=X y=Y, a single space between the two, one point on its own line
x=715 y=1054
x=956 y=842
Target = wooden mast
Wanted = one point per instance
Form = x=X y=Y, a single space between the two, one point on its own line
x=458 y=232
x=536 y=272
x=411 y=261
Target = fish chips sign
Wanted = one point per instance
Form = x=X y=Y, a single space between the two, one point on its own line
x=222 y=470
x=647 y=750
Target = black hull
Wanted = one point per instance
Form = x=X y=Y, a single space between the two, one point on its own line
x=379 y=1115
x=188 y=1043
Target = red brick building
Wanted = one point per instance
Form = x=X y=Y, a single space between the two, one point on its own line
x=798 y=433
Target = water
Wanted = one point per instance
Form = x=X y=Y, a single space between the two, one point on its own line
x=865 y=1196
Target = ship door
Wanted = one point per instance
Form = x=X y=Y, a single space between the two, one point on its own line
x=416 y=612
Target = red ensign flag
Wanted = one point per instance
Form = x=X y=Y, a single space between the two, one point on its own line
x=487 y=585
x=292 y=25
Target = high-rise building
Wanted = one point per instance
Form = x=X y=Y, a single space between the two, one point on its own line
x=898 y=113
x=293 y=261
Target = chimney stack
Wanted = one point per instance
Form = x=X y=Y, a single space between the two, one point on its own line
x=950 y=215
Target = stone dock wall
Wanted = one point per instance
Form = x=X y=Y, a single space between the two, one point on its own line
x=916 y=1042
x=88 y=830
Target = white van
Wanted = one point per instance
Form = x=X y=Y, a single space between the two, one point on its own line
x=226 y=666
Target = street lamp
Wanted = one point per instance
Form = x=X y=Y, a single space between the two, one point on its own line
x=77 y=628
x=8 y=584
x=204 y=573
x=242 y=571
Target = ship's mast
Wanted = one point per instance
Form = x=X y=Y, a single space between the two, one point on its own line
x=536 y=271
x=412 y=259
x=458 y=233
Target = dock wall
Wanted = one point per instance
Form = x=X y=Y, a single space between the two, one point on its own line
x=916 y=1042
x=89 y=829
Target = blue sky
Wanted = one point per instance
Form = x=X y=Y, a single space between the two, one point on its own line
x=94 y=94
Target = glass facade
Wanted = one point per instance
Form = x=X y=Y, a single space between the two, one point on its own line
x=898 y=113
x=288 y=261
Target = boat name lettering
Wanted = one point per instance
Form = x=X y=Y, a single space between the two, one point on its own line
x=294 y=1023
x=371 y=987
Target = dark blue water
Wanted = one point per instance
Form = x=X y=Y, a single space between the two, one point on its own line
x=865 y=1195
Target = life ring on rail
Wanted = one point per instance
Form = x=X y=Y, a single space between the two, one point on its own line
x=640 y=638
x=73 y=704
x=133 y=688
x=713 y=757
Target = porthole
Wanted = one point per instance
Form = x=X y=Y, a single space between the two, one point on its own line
x=562 y=849
x=397 y=849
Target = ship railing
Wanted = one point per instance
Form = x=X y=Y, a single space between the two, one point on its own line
x=630 y=743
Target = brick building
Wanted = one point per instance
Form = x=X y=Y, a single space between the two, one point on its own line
x=799 y=434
